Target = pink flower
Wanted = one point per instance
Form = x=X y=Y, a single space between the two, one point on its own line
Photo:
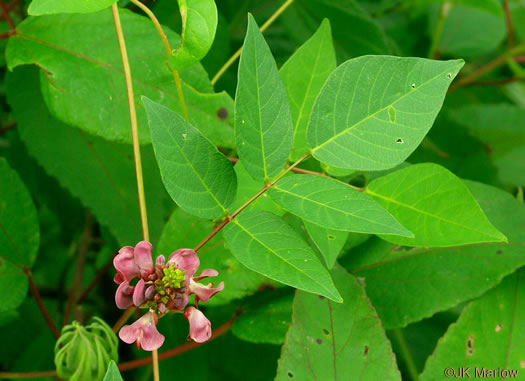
x=161 y=286
x=200 y=326
x=143 y=332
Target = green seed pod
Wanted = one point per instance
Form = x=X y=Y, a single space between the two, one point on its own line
x=83 y=353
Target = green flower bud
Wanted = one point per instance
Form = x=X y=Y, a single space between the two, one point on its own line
x=83 y=353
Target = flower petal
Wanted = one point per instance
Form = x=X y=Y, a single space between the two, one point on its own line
x=206 y=273
x=151 y=338
x=123 y=296
x=200 y=326
x=143 y=257
x=185 y=260
x=144 y=332
x=203 y=292
x=129 y=333
x=160 y=260
x=125 y=265
x=178 y=304
x=150 y=292
x=138 y=294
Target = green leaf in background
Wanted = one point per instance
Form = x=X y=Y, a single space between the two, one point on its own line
x=113 y=373
x=185 y=230
x=199 y=22
x=485 y=29
x=19 y=237
x=101 y=174
x=407 y=286
x=268 y=322
x=199 y=178
x=499 y=126
x=435 y=205
x=512 y=167
x=85 y=87
x=303 y=75
x=329 y=341
x=266 y=244
x=330 y=242
x=373 y=111
x=263 y=125
x=488 y=336
x=334 y=205
x=49 y=7
x=355 y=32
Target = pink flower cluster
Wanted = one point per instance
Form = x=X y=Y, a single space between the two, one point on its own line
x=161 y=287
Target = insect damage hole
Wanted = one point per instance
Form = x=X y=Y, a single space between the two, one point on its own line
x=498 y=328
x=326 y=332
x=449 y=75
x=413 y=85
x=400 y=141
x=290 y=374
x=470 y=345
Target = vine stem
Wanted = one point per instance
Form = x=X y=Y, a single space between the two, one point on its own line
x=229 y=218
x=436 y=36
x=405 y=353
x=265 y=26
x=167 y=47
x=7 y=17
x=136 y=146
x=123 y=319
x=497 y=62
x=133 y=364
x=94 y=282
x=508 y=22
x=40 y=303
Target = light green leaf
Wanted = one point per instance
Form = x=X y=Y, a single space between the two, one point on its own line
x=267 y=322
x=19 y=237
x=197 y=176
x=263 y=125
x=435 y=205
x=49 y=7
x=408 y=285
x=101 y=174
x=84 y=86
x=499 y=126
x=303 y=75
x=112 y=373
x=185 y=230
x=355 y=32
x=334 y=205
x=488 y=336
x=373 y=111
x=329 y=341
x=266 y=244
x=199 y=23
x=330 y=242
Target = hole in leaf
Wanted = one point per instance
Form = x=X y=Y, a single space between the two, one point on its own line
x=290 y=374
x=399 y=141
x=331 y=237
x=319 y=341
x=365 y=351
x=184 y=136
x=498 y=328
x=222 y=113
x=522 y=363
x=499 y=252
x=470 y=345
x=449 y=75
x=326 y=332
x=413 y=85
x=392 y=114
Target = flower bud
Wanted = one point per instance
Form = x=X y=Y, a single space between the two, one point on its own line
x=84 y=352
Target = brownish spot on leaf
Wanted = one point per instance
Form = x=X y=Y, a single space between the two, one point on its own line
x=319 y=341
x=365 y=351
x=222 y=113
x=290 y=374
x=498 y=327
x=470 y=345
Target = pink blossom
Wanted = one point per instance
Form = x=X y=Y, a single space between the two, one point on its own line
x=143 y=332
x=200 y=326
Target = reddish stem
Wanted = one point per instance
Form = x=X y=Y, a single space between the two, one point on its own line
x=123 y=319
x=94 y=282
x=508 y=21
x=46 y=373
x=40 y=303
x=7 y=17
x=7 y=127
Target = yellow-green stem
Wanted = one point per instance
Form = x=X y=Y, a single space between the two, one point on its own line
x=265 y=26
x=405 y=353
x=436 y=37
x=167 y=47
x=155 y=357
x=133 y=121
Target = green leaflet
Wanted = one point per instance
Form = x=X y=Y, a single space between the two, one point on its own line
x=435 y=205
x=185 y=230
x=373 y=111
x=355 y=32
x=487 y=336
x=100 y=173
x=408 y=285
x=49 y=7
x=19 y=237
x=112 y=373
x=263 y=125
x=83 y=83
x=199 y=22
x=329 y=341
x=303 y=75
x=199 y=178
x=264 y=243
x=329 y=242
x=334 y=205
x=512 y=167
